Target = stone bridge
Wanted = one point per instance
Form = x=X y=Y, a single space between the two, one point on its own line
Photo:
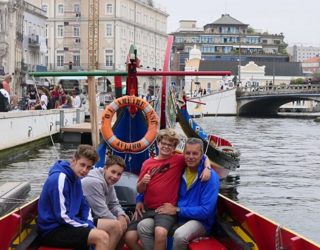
x=265 y=101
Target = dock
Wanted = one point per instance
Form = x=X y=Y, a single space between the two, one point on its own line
x=84 y=127
x=77 y=133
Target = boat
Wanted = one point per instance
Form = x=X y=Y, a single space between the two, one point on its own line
x=237 y=227
x=223 y=155
x=12 y=195
x=220 y=102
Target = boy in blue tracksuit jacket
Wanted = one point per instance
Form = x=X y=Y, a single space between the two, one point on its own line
x=64 y=217
x=196 y=203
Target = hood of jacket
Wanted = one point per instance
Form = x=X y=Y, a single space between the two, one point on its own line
x=62 y=166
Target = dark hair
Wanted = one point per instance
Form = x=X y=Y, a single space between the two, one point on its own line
x=1 y=85
x=87 y=151
x=115 y=159
x=193 y=141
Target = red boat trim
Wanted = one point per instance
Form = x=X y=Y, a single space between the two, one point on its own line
x=164 y=82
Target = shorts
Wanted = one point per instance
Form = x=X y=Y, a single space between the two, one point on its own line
x=161 y=220
x=68 y=237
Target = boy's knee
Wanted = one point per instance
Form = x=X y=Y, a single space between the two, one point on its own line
x=161 y=233
x=131 y=237
x=98 y=236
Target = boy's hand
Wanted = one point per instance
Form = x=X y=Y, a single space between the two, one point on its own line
x=205 y=175
x=146 y=178
x=138 y=211
x=167 y=208
x=123 y=222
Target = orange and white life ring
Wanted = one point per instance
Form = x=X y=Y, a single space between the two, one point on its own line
x=151 y=117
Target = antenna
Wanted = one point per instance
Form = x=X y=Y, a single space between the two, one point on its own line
x=226 y=6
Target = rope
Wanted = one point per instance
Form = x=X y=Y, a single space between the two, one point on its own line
x=218 y=104
x=46 y=122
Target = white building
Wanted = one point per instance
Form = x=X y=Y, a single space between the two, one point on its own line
x=300 y=53
x=11 y=28
x=120 y=24
x=34 y=39
x=22 y=44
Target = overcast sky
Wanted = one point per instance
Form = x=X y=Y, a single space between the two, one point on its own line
x=298 y=20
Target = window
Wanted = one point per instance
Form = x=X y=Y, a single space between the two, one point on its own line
x=60 y=30
x=108 y=29
x=109 y=9
x=76 y=31
x=76 y=8
x=60 y=60
x=76 y=60
x=109 y=57
x=60 y=9
x=45 y=8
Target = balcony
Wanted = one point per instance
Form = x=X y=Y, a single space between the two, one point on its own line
x=33 y=42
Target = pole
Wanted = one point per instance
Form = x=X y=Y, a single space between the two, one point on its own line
x=93 y=111
x=239 y=70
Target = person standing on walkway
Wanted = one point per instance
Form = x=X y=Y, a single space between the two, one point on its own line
x=4 y=99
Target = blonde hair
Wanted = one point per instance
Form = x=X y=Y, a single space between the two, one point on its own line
x=169 y=134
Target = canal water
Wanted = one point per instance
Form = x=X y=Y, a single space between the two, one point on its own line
x=278 y=177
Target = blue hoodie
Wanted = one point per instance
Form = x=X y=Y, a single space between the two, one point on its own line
x=61 y=202
x=200 y=200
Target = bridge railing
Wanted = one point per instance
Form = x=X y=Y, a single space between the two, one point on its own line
x=278 y=89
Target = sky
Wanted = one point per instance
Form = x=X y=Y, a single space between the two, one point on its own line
x=297 y=20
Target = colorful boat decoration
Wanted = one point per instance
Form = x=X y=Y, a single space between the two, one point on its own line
x=237 y=227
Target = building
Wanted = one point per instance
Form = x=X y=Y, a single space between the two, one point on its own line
x=311 y=66
x=300 y=53
x=119 y=24
x=11 y=37
x=253 y=74
x=22 y=41
x=34 y=43
x=228 y=39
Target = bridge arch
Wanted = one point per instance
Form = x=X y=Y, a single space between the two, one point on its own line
x=267 y=106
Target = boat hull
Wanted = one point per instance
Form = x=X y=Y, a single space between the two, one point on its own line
x=237 y=227
x=217 y=103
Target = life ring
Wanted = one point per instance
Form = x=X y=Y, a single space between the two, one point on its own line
x=151 y=117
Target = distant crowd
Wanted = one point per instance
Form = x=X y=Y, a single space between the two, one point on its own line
x=39 y=98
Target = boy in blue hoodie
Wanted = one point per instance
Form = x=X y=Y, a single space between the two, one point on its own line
x=64 y=217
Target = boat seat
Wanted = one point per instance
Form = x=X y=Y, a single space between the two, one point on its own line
x=205 y=243
x=53 y=248
x=31 y=242
x=9 y=229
